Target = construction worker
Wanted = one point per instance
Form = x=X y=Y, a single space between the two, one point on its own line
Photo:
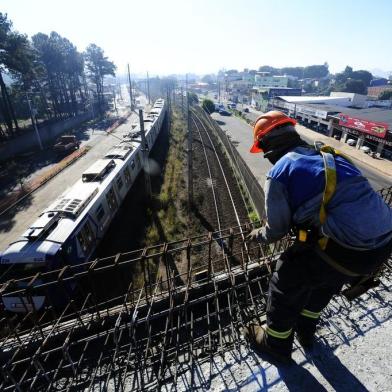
x=343 y=227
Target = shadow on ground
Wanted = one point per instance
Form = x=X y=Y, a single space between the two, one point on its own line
x=318 y=369
x=7 y=220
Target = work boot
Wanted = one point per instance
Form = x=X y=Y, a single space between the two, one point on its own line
x=258 y=339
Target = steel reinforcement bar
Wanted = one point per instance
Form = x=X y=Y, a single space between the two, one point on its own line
x=119 y=323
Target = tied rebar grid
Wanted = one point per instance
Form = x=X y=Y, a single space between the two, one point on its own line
x=131 y=321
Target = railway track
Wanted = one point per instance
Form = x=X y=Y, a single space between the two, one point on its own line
x=227 y=214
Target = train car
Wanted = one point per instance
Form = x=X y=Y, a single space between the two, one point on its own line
x=70 y=229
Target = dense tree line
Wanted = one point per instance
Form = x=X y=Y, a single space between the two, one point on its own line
x=311 y=71
x=348 y=80
x=49 y=74
x=353 y=81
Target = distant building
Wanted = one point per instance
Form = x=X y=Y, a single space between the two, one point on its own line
x=261 y=97
x=377 y=90
x=334 y=116
x=378 y=82
x=265 y=79
x=355 y=100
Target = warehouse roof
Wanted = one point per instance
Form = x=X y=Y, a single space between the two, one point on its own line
x=370 y=114
x=308 y=99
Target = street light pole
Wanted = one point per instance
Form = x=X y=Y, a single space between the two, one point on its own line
x=130 y=88
x=32 y=114
x=148 y=88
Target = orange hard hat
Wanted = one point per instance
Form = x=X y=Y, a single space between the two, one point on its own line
x=265 y=124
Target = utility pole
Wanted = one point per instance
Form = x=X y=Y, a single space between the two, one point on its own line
x=114 y=101
x=146 y=165
x=182 y=99
x=32 y=114
x=168 y=98
x=190 y=169
x=148 y=88
x=130 y=88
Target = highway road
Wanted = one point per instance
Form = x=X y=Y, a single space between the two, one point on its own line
x=242 y=136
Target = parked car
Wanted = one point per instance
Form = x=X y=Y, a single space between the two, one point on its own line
x=66 y=143
x=351 y=142
x=366 y=149
x=224 y=112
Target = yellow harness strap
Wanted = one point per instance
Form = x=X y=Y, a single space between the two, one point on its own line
x=330 y=185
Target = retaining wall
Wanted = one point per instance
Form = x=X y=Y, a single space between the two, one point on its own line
x=28 y=141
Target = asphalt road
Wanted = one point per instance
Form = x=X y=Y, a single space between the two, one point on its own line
x=242 y=136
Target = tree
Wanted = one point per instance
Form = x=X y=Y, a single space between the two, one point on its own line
x=293 y=71
x=316 y=71
x=60 y=69
x=98 y=66
x=385 y=95
x=355 y=86
x=193 y=98
x=363 y=75
x=343 y=76
x=208 y=106
x=15 y=59
x=267 y=68
x=210 y=79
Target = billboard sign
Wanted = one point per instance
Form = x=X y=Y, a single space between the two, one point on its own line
x=378 y=129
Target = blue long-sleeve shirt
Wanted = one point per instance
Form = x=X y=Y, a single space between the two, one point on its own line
x=357 y=217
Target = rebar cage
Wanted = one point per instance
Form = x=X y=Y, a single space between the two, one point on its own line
x=136 y=320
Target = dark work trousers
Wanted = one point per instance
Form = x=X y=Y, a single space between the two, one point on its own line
x=302 y=286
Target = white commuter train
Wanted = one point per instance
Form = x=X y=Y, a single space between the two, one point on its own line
x=70 y=229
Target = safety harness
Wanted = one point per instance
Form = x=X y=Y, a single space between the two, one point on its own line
x=363 y=282
x=328 y=153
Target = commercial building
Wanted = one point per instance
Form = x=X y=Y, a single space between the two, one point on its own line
x=375 y=91
x=332 y=116
x=262 y=96
x=264 y=79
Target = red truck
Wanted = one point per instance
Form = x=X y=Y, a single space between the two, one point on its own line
x=66 y=143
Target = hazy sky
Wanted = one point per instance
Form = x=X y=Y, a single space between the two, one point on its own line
x=201 y=36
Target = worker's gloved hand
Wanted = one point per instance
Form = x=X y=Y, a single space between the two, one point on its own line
x=254 y=235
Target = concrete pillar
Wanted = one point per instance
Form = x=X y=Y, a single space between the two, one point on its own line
x=330 y=128
x=344 y=136
x=380 y=147
x=360 y=141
